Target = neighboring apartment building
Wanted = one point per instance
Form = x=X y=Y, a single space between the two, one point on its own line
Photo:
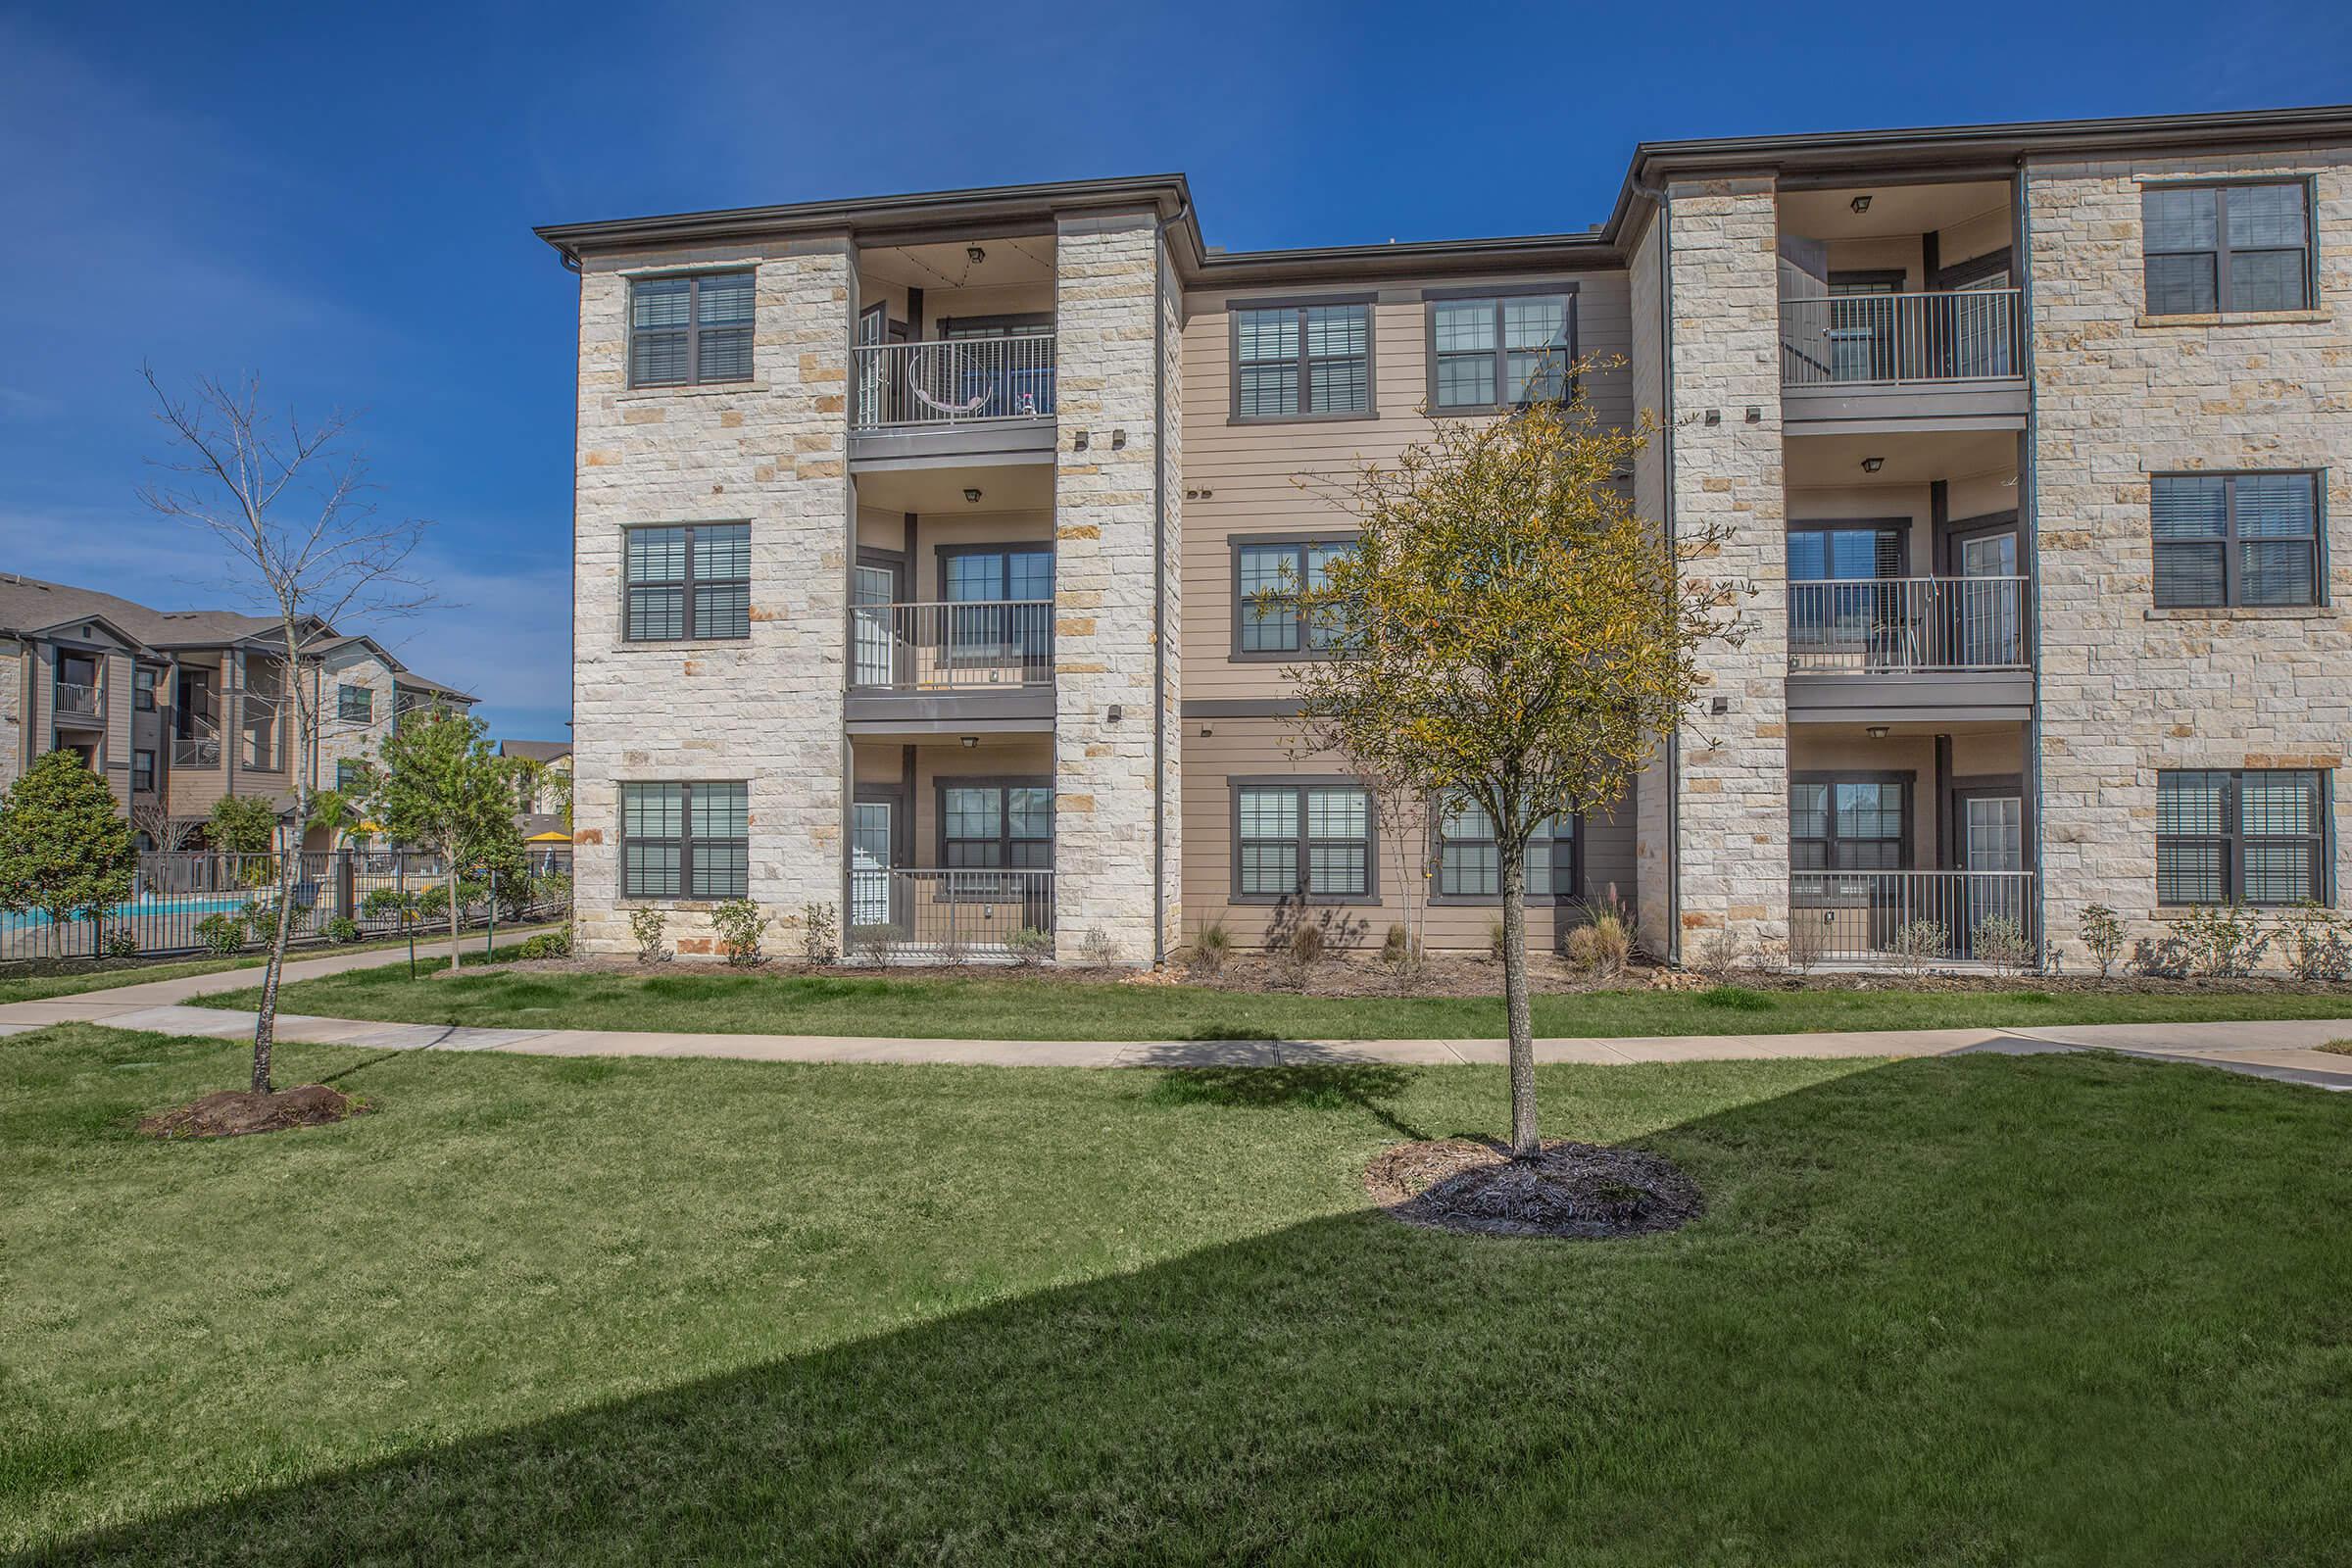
x=919 y=539
x=540 y=797
x=185 y=706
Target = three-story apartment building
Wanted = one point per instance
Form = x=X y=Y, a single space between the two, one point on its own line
x=929 y=548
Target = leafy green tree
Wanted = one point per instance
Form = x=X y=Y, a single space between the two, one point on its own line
x=441 y=786
x=336 y=814
x=242 y=824
x=1507 y=629
x=65 y=851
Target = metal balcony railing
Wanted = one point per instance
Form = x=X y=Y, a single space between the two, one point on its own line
x=1920 y=918
x=1895 y=339
x=961 y=646
x=1906 y=625
x=199 y=748
x=945 y=916
x=80 y=699
x=958 y=381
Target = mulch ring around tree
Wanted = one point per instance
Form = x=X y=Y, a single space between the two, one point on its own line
x=1584 y=1192
x=234 y=1112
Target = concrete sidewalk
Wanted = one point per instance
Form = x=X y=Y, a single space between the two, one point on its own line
x=2279 y=1048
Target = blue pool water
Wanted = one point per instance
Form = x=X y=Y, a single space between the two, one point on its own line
x=147 y=909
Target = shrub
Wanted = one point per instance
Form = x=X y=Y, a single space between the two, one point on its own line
x=878 y=943
x=2000 y=941
x=739 y=924
x=2223 y=940
x=1098 y=949
x=397 y=905
x=1495 y=939
x=1305 y=948
x=1401 y=954
x=551 y=890
x=1030 y=946
x=1917 y=944
x=2316 y=949
x=1717 y=954
x=119 y=943
x=818 y=933
x=1602 y=945
x=1212 y=945
x=1808 y=945
x=2103 y=933
x=556 y=944
x=342 y=928
x=647 y=926
x=222 y=932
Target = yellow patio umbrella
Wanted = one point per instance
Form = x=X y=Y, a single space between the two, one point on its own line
x=549 y=837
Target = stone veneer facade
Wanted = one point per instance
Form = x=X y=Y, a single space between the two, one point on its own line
x=1731 y=835
x=1108 y=586
x=2126 y=689
x=771 y=452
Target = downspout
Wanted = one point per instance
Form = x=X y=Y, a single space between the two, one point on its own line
x=2030 y=539
x=1656 y=194
x=1159 y=583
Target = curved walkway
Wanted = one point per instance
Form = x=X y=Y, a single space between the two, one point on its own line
x=2282 y=1049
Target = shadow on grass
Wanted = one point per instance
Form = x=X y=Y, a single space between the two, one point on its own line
x=1313 y=1086
x=1896 y=1337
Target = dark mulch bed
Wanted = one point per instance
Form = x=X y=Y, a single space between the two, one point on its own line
x=234 y=1112
x=1585 y=1192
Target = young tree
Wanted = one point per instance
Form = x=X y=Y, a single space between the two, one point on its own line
x=167 y=833
x=441 y=786
x=242 y=824
x=1506 y=629
x=64 y=852
x=287 y=505
x=336 y=814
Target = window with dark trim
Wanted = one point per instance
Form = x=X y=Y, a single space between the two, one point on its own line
x=2230 y=836
x=1848 y=824
x=1311 y=840
x=1470 y=862
x=685 y=840
x=689 y=581
x=690 y=331
x=1300 y=361
x=2214 y=249
x=2232 y=539
x=1001 y=602
x=1268 y=577
x=354 y=704
x=988 y=825
x=142 y=771
x=349 y=772
x=1500 y=351
x=142 y=690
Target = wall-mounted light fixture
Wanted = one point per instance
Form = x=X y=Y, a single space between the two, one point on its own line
x=975 y=255
x=971 y=741
x=971 y=493
x=1118 y=439
x=1078 y=441
x=1877 y=732
x=1873 y=464
x=1860 y=205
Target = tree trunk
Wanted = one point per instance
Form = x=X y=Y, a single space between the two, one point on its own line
x=1525 y=1143
x=454 y=961
x=265 y=1017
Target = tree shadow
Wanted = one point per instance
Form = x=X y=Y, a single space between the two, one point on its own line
x=1315 y=1086
x=1894 y=1337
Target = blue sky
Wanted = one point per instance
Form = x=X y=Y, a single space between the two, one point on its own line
x=340 y=198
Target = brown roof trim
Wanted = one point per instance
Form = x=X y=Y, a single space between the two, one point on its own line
x=1920 y=151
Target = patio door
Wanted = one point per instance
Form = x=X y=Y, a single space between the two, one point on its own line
x=872 y=591
x=1991 y=825
x=1990 y=610
x=872 y=837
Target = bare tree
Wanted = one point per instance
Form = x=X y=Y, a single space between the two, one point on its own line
x=287 y=504
x=167 y=833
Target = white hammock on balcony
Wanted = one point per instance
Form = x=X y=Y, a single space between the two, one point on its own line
x=948 y=365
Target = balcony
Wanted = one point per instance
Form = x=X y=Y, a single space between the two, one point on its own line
x=197 y=743
x=1917 y=919
x=80 y=705
x=980 y=399
x=1952 y=358
x=948 y=917
x=951 y=663
x=1909 y=648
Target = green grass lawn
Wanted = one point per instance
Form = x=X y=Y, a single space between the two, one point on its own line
x=1964 y=1310
x=1019 y=1007
x=39 y=987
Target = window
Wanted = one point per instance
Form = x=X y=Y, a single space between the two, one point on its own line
x=690 y=331
x=1294 y=839
x=1268 y=576
x=1301 y=360
x=1470 y=865
x=142 y=690
x=354 y=704
x=2219 y=248
x=2241 y=837
x=685 y=840
x=697 y=577
x=2236 y=538
x=349 y=773
x=1858 y=824
x=1845 y=552
x=996 y=825
x=1004 y=603
x=1500 y=352
x=142 y=771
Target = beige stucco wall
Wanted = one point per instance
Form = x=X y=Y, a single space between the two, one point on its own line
x=767 y=710
x=2126 y=689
